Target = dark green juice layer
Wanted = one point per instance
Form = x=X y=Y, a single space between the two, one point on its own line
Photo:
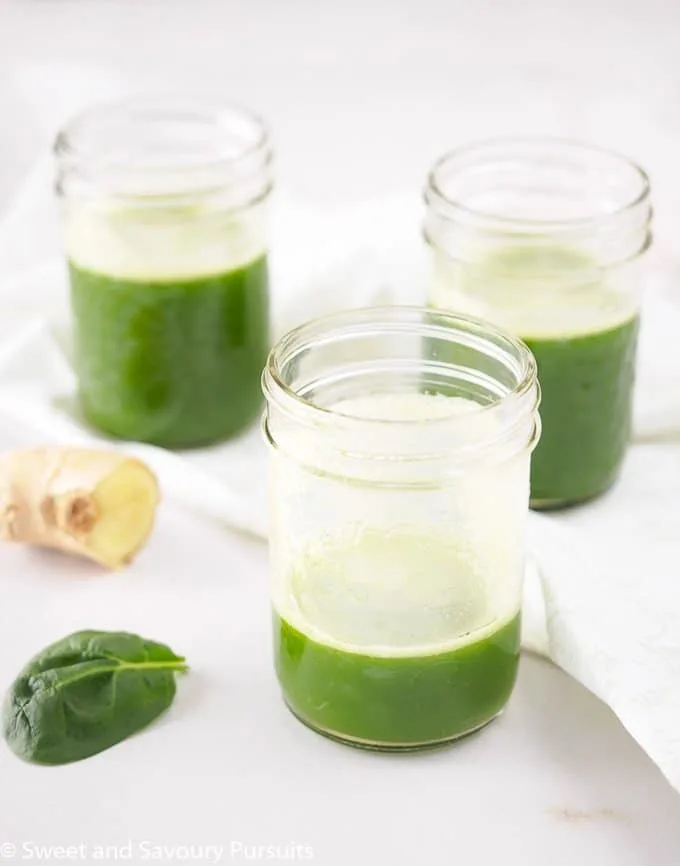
x=586 y=406
x=173 y=363
x=582 y=329
x=396 y=701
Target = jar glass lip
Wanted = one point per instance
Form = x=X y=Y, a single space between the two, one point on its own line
x=236 y=133
x=477 y=155
x=396 y=319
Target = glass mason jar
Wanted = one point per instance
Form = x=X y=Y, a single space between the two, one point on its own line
x=546 y=238
x=164 y=223
x=400 y=449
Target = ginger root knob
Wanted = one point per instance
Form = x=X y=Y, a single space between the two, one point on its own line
x=96 y=504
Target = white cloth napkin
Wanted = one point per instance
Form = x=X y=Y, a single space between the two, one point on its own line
x=603 y=594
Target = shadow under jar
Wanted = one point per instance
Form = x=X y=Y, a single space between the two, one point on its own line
x=164 y=221
x=399 y=469
x=546 y=238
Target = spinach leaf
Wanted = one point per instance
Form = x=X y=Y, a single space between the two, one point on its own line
x=87 y=692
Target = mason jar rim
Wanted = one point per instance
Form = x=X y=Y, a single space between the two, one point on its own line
x=411 y=317
x=159 y=150
x=435 y=196
x=193 y=109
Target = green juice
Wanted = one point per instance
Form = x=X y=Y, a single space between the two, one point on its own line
x=583 y=333
x=396 y=640
x=586 y=408
x=397 y=702
x=173 y=362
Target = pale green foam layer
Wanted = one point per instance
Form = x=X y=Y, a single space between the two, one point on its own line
x=162 y=243
x=392 y=591
x=407 y=590
x=408 y=406
x=537 y=291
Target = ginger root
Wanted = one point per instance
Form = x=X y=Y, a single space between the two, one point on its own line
x=96 y=504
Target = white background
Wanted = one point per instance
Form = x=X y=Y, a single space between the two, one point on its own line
x=361 y=96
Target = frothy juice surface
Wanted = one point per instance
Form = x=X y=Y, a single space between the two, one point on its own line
x=583 y=334
x=396 y=638
x=171 y=324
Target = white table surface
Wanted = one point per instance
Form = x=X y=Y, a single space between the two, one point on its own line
x=555 y=781
x=362 y=96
